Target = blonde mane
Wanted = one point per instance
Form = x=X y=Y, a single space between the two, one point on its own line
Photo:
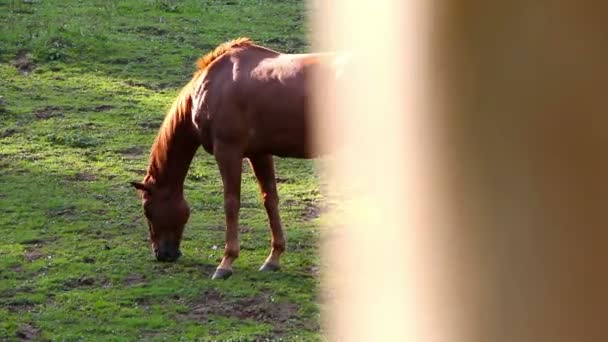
x=181 y=108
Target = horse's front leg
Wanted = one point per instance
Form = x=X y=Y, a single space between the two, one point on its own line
x=229 y=161
x=263 y=167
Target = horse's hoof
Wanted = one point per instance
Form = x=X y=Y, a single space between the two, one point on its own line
x=269 y=267
x=221 y=273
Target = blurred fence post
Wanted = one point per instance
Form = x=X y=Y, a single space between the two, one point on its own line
x=473 y=161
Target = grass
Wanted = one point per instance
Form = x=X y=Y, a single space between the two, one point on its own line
x=84 y=87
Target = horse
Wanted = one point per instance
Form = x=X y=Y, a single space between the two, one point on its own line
x=244 y=101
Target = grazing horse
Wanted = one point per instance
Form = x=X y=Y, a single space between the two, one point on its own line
x=244 y=101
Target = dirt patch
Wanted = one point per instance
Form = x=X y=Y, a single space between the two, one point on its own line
x=195 y=267
x=249 y=204
x=312 y=211
x=260 y=308
x=216 y=228
x=206 y=269
x=140 y=172
x=48 y=112
x=132 y=152
x=16 y=269
x=32 y=254
x=88 y=260
x=197 y=177
x=245 y=230
x=84 y=281
x=7 y=133
x=19 y=305
x=135 y=279
x=82 y=177
x=136 y=222
x=312 y=208
x=147 y=30
x=151 y=30
x=103 y=108
x=27 y=332
x=295 y=246
x=282 y=180
x=38 y=242
x=3 y=104
x=144 y=303
x=314 y=271
x=32 y=242
x=63 y=211
x=150 y=124
x=24 y=62
x=148 y=86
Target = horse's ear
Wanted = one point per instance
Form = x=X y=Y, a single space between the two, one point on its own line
x=141 y=186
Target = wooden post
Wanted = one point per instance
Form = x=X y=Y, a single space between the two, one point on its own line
x=474 y=139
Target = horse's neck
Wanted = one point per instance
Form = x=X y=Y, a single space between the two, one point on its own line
x=171 y=159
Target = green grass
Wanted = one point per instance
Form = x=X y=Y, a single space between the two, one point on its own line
x=84 y=87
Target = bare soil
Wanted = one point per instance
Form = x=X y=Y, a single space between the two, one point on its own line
x=261 y=308
x=48 y=112
x=27 y=332
x=24 y=62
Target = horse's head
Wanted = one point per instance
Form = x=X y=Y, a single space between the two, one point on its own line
x=167 y=213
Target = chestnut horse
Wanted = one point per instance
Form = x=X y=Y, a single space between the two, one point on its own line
x=244 y=101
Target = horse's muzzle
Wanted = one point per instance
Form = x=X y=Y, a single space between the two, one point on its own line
x=168 y=256
x=167 y=252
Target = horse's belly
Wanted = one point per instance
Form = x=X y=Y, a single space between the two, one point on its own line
x=284 y=136
x=286 y=147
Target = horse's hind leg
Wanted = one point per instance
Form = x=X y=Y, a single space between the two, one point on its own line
x=263 y=167
x=229 y=161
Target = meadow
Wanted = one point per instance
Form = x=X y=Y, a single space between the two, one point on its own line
x=84 y=86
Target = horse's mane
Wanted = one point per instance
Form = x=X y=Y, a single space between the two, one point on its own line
x=182 y=106
x=207 y=59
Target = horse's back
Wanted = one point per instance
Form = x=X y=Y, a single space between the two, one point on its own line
x=262 y=101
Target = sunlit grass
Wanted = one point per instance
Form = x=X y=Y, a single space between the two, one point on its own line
x=77 y=127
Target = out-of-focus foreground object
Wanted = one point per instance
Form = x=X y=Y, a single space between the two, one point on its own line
x=471 y=139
